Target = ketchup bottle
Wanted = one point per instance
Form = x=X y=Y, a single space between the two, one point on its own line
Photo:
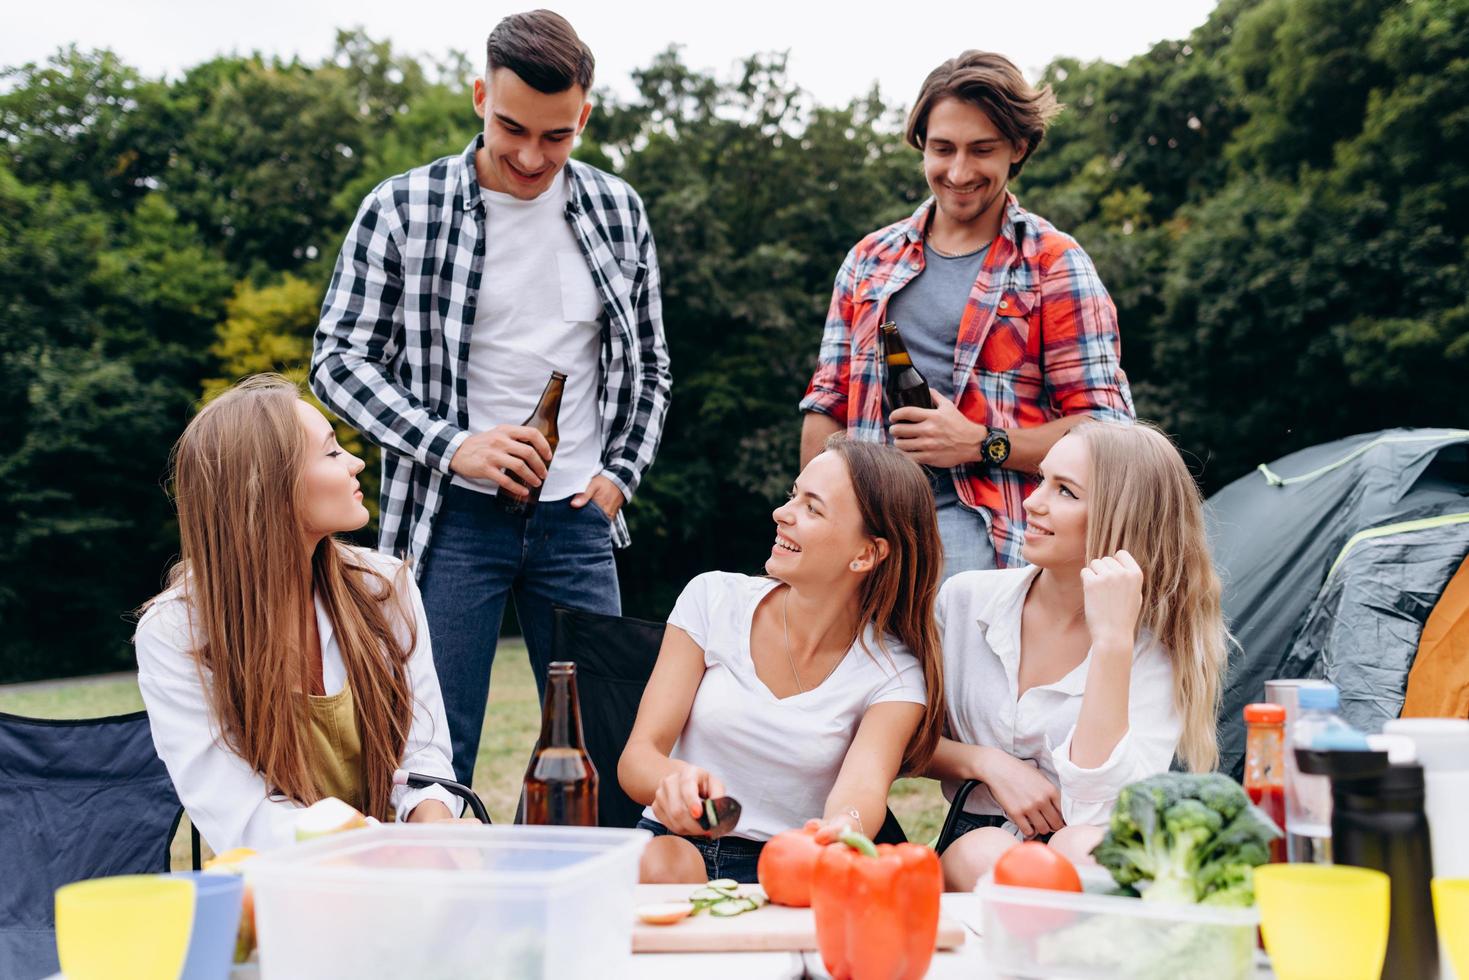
x=1265 y=766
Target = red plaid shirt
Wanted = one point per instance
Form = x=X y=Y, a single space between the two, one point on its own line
x=1038 y=341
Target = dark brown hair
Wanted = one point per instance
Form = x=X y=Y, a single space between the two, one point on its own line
x=897 y=598
x=542 y=48
x=1019 y=110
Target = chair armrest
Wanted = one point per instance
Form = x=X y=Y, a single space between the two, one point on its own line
x=951 y=821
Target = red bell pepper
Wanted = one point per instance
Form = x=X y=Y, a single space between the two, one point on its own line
x=876 y=908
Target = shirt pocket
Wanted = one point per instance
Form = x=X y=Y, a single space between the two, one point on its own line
x=579 y=300
x=1012 y=348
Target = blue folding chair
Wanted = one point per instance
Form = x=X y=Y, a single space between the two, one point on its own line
x=78 y=799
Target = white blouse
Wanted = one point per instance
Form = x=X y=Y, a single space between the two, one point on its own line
x=779 y=757
x=979 y=622
x=228 y=800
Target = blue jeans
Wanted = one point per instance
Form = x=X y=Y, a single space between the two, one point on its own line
x=478 y=556
x=736 y=858
x=966 y=537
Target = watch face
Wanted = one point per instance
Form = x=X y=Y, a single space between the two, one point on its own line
x=997 y=449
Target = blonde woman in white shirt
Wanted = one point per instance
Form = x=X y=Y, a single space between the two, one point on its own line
x=1091 y=668
x=802 y=694
x=282 y=665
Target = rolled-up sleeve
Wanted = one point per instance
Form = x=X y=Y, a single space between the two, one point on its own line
x=1146 y=749
x=827 y=392
x=1082 y=341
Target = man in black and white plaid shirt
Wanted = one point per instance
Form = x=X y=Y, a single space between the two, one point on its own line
x=460 y=287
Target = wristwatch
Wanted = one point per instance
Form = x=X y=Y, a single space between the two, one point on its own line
x=995 y=448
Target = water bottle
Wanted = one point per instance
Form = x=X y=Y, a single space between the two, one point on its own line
x=1308 y=797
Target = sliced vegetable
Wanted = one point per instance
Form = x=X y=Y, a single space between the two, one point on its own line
x=665 y=913
x=724 y=884
x=733 y=906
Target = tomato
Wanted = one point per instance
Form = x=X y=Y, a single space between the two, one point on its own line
x=786 y=863
x=1034 y=865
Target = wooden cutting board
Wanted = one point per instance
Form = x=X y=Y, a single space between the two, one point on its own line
x=772 y=928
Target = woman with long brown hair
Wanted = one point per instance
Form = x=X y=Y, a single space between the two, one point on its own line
x=804 y=693
x=1090 y=668
x=282 y=666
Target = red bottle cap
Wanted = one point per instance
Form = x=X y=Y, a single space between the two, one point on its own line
x=1265 y=714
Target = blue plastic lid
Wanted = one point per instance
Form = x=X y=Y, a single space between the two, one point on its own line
x=1324 y=697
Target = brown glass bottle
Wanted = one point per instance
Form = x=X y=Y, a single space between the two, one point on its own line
x=561 y=782
x=543 y=420
x=902 y=385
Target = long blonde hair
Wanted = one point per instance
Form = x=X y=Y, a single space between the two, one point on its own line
x=249 y=587
x=897 y=598
x=1143 y=499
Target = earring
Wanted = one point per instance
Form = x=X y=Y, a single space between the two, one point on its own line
x=856 y=566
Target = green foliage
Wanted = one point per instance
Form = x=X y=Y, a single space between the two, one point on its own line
x=1278 y=204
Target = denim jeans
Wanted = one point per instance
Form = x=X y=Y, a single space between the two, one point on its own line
x=735 y=858
x=478 y=556
x=966 y=537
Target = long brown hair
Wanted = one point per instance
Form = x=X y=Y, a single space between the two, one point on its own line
x=249 y=585
x=1143 y=499
x=897 y=597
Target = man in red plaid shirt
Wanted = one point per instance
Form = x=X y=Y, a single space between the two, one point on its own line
x=1004 y=316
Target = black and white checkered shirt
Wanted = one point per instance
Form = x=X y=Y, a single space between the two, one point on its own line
x=392 y=347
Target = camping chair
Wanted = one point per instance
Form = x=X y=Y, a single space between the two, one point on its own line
x=82 y=799
x=951 y=820
x=614 y=657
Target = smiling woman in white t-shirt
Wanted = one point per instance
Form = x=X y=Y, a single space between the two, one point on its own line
x=1092 y=667
x=803 y=694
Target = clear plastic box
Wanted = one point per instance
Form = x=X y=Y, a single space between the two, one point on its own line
x=420 y=902
x=1034 y=932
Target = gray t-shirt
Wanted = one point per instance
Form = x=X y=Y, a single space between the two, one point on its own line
x=928 y=310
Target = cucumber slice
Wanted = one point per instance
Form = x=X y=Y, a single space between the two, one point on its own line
x=706 y=896
x=724 y=884
x=732 y=906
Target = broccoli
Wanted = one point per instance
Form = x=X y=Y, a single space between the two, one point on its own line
x=1186 y=838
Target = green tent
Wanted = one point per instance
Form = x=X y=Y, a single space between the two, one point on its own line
x=1332 y=559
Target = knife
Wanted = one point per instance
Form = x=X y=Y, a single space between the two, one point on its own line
x=720 y=815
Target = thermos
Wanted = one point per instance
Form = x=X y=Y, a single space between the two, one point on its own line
x=1378 y=821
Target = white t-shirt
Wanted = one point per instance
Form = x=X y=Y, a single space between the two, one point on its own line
x=979 y=623
x=538 y=311
x=779 y=757
x=228 y=800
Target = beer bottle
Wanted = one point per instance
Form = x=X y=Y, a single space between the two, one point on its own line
x=561 y=782
x=543 y=420
x=902 y=385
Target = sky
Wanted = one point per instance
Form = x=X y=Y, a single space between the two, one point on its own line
x=836 y=51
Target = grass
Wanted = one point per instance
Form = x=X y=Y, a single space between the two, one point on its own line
x=512 y=723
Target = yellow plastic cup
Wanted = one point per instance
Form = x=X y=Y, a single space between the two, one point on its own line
x=132 y=927
x=1451 y=911
x=1323 y=921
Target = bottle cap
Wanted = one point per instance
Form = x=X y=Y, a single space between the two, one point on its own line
x=1323 y=698
x=1264 y=714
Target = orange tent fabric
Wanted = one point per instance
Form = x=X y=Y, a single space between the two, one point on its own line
x=1438 y=684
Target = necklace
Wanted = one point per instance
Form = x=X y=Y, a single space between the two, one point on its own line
x=957 y=255
x=785 y=617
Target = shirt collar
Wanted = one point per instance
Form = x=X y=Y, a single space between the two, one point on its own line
x=1018 y=228
x=469 y=191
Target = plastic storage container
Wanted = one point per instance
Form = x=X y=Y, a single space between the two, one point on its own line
x=1034 y=932
x=449 y=900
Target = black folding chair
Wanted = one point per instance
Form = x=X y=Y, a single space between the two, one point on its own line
x=614 y=657
x=951 y=820
x=78 y=799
